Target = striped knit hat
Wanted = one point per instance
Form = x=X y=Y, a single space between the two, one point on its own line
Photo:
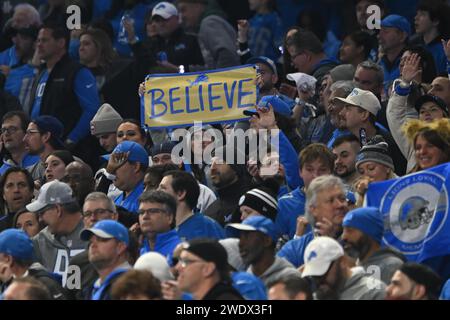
x=376 y=152
x=261 y=200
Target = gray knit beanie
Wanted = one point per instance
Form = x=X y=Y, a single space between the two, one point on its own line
x=106 y=120
x=377 y=152
x=342 y=72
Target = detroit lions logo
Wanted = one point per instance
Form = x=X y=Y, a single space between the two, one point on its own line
x=414 y=210
x=161 y=6
x=312 y=255
x=200 y=79
x=355 y=92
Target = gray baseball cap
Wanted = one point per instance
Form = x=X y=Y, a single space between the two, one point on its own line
x=54 y=192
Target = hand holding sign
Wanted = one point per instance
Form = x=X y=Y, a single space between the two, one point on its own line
x=215 y=96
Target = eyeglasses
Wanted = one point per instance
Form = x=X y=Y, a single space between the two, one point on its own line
x=293 y=57
x=96 y=212
x=9 y=130
x=151 y=211
x=185 y=262
x=31 y=131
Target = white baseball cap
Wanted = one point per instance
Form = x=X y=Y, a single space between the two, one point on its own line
x=363 y=99
x=303 y=80
x=319 y=255
x=164 y=10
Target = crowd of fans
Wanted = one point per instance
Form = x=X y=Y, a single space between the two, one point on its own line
x=96 y=206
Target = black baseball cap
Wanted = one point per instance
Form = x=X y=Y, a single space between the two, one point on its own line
x=430 y=98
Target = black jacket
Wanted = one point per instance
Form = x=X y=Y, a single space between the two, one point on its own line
x=395 y=153
x=224 y=208
x=181 y=49
x=59 y=99
x=88 y=275
x=57 y=292
x=223 y=291
x=118 y=83
x=6 y=220
x=55 y=289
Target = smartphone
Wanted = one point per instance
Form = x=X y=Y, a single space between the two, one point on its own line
x=363 y=136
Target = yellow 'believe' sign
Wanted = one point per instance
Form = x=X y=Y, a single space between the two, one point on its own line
x=174 y=100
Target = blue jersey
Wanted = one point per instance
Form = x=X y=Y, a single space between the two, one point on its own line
x=36 y=108
x=100 y=291
x=290 y=207
x=85 y=88
x=294 y=250
x=9 y=57
x=165 y=244
x=288 y=158
x=100 y=7
x=265 y=35
x=27 y=161
x=336 y=134
x=391 y=71
x=200 y=226
x=20 y=82
x=131 y=202
x=438 y=53
x=445 y=293
x=138 y=15
x=249 y=286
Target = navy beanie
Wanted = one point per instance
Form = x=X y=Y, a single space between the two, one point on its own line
x=368 y=220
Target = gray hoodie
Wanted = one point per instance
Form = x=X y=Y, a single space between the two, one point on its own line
x=279 y=269
x=217 y=40
x=383 y=263
x=54 y=252
x=362 y=287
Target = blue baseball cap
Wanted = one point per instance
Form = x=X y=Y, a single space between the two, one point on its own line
x=51 y=124
x=137 y=152
x=398 y=22
x=279 y=106
x=16 y=243
x=264 y=60
x=249 y=286
x=368 y=220
x=257 y=223
x=107 y=229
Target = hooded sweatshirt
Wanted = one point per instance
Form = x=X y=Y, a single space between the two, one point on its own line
x=387 y=260
x=218 y=51
x=362 y=287
x=279 y=269
x=54 y=251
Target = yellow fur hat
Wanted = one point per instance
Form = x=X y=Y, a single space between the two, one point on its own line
x=414 y=126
